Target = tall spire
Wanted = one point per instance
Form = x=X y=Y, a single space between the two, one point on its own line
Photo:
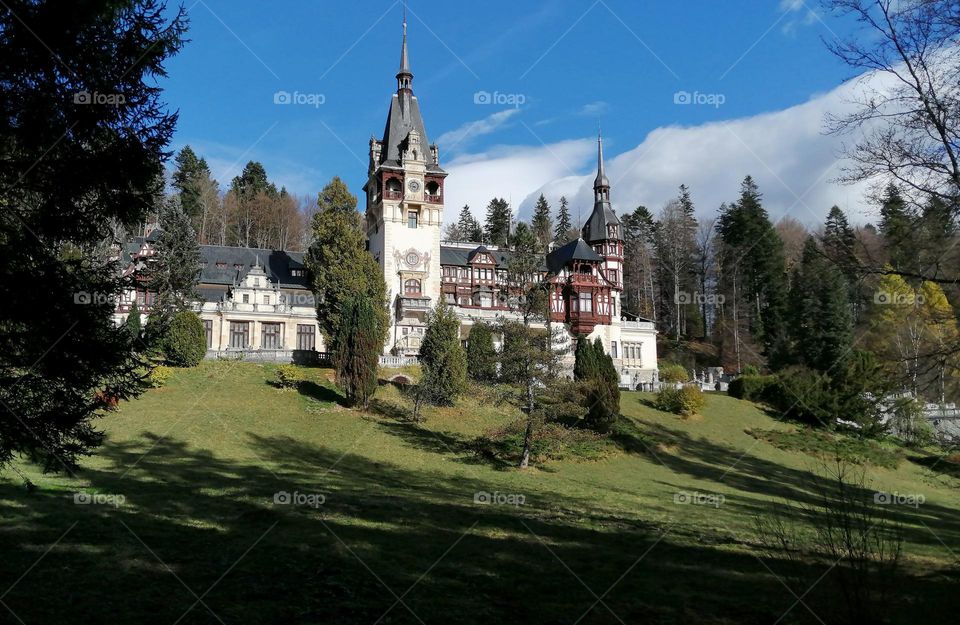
x=600 y=182
x=404 y=76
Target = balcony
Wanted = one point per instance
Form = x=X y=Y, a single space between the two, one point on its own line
x=392 y=195
x=434 y=199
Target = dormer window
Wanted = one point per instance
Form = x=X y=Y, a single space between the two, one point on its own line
x=221 y=265
x=256 y=282
x=238 y=267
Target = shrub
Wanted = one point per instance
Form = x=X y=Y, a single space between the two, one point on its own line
x=159 y=376
x=807 y=396
x=603 y=404
x=289 y=376
x=758 y=388
x=185 y=341
x=550 y=441
x=672 y=372
x=685 y=401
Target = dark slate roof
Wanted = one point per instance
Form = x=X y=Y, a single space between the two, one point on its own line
x=574 y=250
x=461 y=256
x=596 y=227
x=276 y=263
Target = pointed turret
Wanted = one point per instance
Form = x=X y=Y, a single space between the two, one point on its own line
x=603 y=223
x=404 y=76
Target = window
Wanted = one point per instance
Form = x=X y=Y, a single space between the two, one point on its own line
x=246 y=298
x=298 y=273
x=412 y=218
x=586 y=302
x=208 y=328
x=306 y=337
x=256 y=282
x=613 y=349
x=266 y=300
x=450 y=298
x=239 y=334
x=270 y=335
x=411 y=287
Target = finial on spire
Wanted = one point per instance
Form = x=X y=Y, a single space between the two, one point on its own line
x=404 y=76
x=601 y=180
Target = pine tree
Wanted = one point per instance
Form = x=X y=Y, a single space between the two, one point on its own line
x=481 y=354
x=339 y=264
x=541 y=223
x=468 y=227
x=172 y=271
x=356 y=349
x=134 y=323
x=72 y=172
x=561 y=232
x=822 y=324
x=897 y=225
x=497 y=226
x=753 y=275
x=442 y=357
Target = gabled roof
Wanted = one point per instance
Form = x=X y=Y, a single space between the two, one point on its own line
x=574 y=250
x=461 y=256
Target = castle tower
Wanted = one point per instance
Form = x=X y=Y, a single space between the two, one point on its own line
x=404 y=210
x=604 y=233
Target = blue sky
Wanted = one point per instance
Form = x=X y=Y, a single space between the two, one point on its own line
x=558 y=68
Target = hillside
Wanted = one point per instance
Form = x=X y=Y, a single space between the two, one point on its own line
x=198 y=534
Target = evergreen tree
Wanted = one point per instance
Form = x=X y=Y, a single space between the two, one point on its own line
x=189 y=179
x=336 y=196
x=468 y=227
x=442 y=357
x=134 y=323
x=526 y=294
x=541 y=223
x=72 y=171
x=753 y=276
x=339 y=264
x=822 y=324
x=172 y=271
x=497 y=226
x=561 y=232
x=897 y=224
x=251 y=181
x=585 y=366
x=639 y=275
x=481 y=354
x=356 y=349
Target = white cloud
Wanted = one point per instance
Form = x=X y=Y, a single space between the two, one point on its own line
x=462 y=136
x=593 y=108
x=786 y=152
x=513 y=172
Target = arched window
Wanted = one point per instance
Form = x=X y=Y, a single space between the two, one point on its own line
x=411 y=287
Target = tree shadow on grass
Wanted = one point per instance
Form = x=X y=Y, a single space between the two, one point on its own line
x=195 y=524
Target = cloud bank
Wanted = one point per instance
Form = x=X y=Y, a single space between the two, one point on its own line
x=786 y=152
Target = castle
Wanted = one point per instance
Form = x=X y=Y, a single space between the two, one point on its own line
x=404 y=213
x=258 y=301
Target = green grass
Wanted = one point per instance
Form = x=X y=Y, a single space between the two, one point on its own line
x=199 y=461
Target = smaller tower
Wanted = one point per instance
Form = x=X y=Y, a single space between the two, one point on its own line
x=603 y=230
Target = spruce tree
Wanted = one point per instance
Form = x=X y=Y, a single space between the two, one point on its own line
x=481 y=354
x=561 y=232
x=73 y=170
x=497 y=226
x=541 y=223
x=356 y=349
x=442 y=357
x=172 y=271
x=189 y=179
x=585 y=366
x=468 y=227
x=897 y=225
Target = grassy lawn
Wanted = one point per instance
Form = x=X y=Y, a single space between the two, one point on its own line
x=398 y=537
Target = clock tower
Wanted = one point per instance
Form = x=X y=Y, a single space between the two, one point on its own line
x=404 y=210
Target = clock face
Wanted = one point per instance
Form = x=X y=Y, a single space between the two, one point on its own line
x=413 y=259
x=414 y=185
